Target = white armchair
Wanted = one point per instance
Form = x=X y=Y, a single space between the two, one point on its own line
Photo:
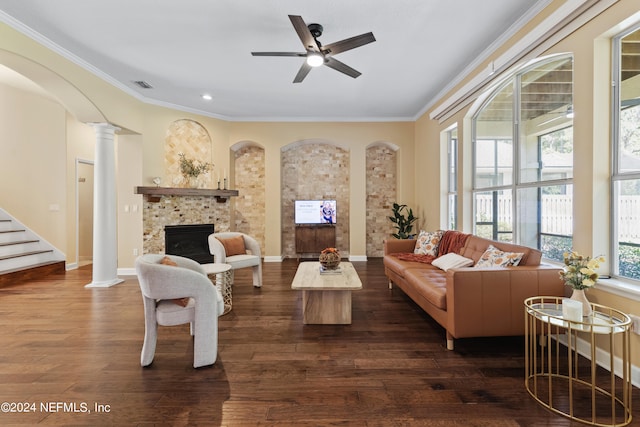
x=160 y=284
x=251 y=257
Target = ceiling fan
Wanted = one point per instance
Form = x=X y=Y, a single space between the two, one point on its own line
x=316 y=54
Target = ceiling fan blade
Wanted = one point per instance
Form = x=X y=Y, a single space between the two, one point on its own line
x=302 y=72
x=342 y=67
x=348 y=44
x=302 y=55
x=301 y=28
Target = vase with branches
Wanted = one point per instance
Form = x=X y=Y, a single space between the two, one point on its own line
x=191 y=169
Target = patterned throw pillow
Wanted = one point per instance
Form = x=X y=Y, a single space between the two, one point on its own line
x=427 y=242
x=494 y=257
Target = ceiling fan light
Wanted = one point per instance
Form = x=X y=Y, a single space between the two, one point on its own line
x=315 y=60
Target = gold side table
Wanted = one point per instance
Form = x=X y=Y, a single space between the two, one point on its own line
x=221 y=275
x=554 y=375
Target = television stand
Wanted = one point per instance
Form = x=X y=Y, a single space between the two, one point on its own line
x=312 y=239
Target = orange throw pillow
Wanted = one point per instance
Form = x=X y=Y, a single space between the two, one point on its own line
x=168 y=261
x=234 y=246
x=180 y=301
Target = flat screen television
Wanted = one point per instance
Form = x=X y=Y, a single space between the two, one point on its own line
x=315 y=212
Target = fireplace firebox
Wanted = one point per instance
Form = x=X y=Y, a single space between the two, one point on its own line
x=189 y=241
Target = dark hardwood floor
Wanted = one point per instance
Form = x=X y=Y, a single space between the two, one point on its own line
x=62 y=344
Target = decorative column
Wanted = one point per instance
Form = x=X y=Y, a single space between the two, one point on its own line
x=105 y=249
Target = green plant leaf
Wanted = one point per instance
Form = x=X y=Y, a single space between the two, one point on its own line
x=402 y=224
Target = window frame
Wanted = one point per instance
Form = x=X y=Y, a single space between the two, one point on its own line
x=453 y=172
x=618 y=177
x=515 y=80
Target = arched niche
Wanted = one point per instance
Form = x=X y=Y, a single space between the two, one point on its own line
x=315 y=169
x=190 y=138
x=381 y=180
x=249 y=169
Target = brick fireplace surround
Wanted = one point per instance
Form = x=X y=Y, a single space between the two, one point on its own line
x=181 y=210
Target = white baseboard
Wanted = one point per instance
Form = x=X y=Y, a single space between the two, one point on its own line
x=602 y=359
x=105 y=284
x=126 y=272
x=273 y=258
x=357 y=257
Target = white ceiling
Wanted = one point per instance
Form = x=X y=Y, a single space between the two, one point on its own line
x=189 y=47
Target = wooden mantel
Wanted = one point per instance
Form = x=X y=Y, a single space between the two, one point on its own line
x=153 y=194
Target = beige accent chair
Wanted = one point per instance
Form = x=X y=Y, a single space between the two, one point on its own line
x=252 y=258
x=161 y=284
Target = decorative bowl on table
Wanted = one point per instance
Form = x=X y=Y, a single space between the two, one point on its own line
x=330 y=258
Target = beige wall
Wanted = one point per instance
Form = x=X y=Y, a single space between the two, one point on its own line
x=33 y=167
x=428 y=188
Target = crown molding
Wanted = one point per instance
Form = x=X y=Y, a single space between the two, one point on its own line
x=566 y=19
x=468 y=70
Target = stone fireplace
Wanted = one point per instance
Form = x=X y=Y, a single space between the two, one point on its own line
x=171 y=206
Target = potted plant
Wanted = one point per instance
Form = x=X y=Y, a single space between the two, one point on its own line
x=404 y=224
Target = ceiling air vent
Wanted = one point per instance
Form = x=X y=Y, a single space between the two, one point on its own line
x=143 y=84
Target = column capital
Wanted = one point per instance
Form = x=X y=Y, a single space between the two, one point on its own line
x=104 y=127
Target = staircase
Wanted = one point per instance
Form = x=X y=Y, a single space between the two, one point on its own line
x=23 y=254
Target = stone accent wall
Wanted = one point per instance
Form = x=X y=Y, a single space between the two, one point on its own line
x=193 y=140
x=178 y=210
x=249 y=175
x=381 y=193
x=314 y=171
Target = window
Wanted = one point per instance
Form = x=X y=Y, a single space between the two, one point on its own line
x=626 y=148
x=452 y=179
x=523 y=159
x=494 y=215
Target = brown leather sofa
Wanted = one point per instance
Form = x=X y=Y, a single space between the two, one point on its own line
x=470 y=301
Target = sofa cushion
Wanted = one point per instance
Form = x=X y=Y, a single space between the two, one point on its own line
x=399 y=265
x=451 y=260
x=476 y=246
x=429 y=282
x=494 y=257
x=427 y=242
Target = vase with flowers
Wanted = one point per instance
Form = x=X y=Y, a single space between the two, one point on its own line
x=330 y=258
x=580 y=273
x=192 y=169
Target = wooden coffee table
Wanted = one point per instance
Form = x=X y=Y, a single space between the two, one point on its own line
x=326 y=298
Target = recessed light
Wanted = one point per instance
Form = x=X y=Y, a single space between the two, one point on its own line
x=207 y=97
